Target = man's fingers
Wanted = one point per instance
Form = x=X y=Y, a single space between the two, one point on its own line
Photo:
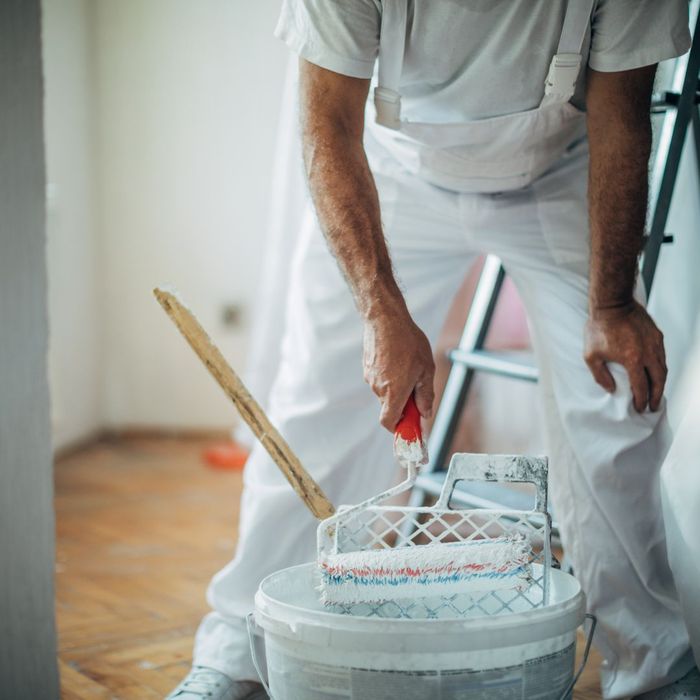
x=388 y=418
x=425 y=396
x=424 y=399
x=393 y=403
x=639 y=384
x=658 y=372
x=657 y=380
x=392 y=409
x=661 y=352
x=601 y=373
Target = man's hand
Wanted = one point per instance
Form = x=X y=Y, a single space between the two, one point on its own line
x=628 y=336
x=397 y=361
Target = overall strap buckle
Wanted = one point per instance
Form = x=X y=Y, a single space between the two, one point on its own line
x=392 y=45
x=560 y=84
x=387 y=104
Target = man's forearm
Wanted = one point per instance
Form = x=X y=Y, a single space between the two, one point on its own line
x=620 y=144
x=347 y=205
x=346 y=201
x=618 y=191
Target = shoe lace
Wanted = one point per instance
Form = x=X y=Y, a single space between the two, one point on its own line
x=201 y=681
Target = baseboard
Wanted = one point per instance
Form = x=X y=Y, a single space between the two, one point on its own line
x=142 y=432
x=146 y=432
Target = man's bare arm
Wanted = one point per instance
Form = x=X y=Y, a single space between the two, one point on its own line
x=619 y=329
x=397 y=355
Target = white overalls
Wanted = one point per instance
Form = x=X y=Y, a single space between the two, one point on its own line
x=514 y=186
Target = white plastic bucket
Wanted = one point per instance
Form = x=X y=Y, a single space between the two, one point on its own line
x=313 y=654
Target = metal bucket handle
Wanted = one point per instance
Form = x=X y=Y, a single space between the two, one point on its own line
x=586 y=651
x=252 y=625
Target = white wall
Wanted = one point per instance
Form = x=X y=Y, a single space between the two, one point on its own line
x=75 y=328
x=160 y=121
x=187 y=106
x=27 y=634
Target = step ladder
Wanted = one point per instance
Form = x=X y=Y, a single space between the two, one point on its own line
x=679 y=107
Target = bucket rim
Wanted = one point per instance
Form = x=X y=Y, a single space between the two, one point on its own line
x=292 y=621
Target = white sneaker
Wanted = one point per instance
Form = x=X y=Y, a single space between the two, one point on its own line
x=206 y=683
x=687 y=688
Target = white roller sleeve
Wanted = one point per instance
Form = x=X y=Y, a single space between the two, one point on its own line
x=425 y=570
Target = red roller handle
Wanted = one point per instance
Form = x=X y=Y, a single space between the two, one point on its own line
x=409 y=427
x=408 y=436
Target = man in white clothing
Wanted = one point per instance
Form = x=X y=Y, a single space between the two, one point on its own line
x=514 y=127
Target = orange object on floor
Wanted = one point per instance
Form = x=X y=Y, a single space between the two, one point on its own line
x=229 y=456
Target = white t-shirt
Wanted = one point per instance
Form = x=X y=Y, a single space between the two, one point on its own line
x=472 y=59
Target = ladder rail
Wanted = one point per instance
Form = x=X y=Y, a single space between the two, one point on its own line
x=670 y=149
x=459 y=381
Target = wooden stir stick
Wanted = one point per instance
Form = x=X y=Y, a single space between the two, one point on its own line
x=247 y=406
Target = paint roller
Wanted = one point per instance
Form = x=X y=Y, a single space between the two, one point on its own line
x=372 y=575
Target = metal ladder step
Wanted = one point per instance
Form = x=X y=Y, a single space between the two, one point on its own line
x=505 y=364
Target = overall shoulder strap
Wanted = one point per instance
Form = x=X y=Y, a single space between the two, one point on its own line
x=392 y=42
x=565 y=67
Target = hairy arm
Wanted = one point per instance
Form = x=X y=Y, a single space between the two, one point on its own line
x=397 y=356
x=619 y=329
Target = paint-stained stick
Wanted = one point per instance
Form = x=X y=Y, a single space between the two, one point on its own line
x=247 y=406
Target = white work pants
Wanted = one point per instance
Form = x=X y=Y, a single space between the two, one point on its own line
x=604 y=457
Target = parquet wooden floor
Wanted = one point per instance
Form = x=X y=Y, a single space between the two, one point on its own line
x=141 y=527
